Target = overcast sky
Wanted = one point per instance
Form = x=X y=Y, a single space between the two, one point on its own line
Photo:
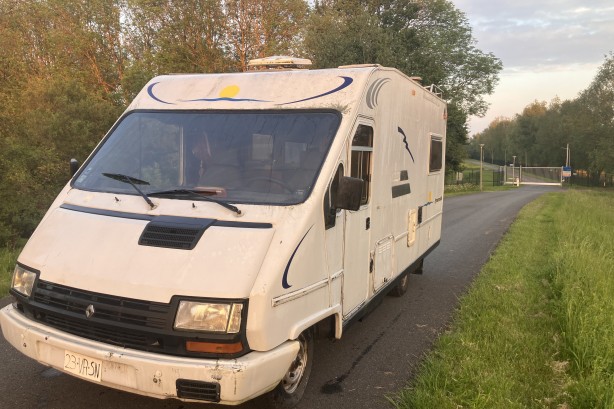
x=548 y=48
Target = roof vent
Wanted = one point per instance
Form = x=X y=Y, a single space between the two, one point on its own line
x=278 y=62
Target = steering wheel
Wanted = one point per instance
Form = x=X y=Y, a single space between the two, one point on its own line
x=281 y=183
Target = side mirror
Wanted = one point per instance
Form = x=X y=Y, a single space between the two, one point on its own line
x=74 y=167
x=349 y=193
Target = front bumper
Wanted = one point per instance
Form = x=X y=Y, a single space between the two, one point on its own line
x=150 y=374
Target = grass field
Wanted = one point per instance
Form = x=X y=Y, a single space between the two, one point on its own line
x=536 y=330
x=7 y=264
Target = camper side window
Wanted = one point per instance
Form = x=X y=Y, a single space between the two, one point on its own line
x=435 y=162
x=362 y=150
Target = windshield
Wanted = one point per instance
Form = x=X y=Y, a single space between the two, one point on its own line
x=239 y=156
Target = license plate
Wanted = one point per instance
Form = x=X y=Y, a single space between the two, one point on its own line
x=83 y=366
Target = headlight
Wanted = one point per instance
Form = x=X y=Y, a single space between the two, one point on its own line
x=23 y=281
x=198 y=316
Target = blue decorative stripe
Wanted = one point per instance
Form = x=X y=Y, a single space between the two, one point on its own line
x=151 y=94
x=284 y=280
x=224 y=99
x=346 y=82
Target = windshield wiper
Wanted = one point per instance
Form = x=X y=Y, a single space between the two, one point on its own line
x=195 y=195
x=132 y=182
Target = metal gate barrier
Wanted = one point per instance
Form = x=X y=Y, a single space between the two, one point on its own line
x=549 y=176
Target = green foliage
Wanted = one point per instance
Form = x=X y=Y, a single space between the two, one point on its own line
x=61 y=90
x=582 y=277
x=69 y=67
x=456 y=138
x=538 y=134
x=430 y=39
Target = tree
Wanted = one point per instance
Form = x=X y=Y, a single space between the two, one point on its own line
x=429 y=38
x=598 y=101
x=343 y=32
x=257 y=29
x=176 y=36
x=60 y=80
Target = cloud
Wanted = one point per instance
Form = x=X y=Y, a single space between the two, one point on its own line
x=549 y=48
x=542 y=33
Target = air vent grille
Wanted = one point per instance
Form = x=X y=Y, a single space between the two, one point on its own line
x=170 y=237
x=197 y=390
x=174 y=233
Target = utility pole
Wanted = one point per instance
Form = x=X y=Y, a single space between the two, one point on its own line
x=505 y=163
x=481 y=160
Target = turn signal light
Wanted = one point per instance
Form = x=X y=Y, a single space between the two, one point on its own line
x=213 y=348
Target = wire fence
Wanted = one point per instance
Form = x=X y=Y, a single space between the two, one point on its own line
x=498 y=177
x=591 y=179
x=472 y=176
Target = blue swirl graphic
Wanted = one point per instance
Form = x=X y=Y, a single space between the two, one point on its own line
x=284 y=280
x=346 y=83
x=151 y=94
x=224 y=99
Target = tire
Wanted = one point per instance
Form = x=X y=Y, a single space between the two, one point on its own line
x=290 y=390
x=420 y=268
x=400 y=287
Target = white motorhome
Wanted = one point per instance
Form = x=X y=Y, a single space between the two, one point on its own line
x=222 y=220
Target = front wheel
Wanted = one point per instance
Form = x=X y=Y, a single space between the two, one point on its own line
x=290 y=390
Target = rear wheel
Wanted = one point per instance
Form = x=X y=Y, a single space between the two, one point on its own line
x=420 y=268
x=292 y=386
x=400 y=287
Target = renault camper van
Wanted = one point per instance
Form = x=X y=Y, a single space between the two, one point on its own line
x=223 y=220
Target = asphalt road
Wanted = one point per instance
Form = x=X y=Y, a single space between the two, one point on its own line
x=375 y=357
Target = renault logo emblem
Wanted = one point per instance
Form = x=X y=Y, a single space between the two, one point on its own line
x=90 y=311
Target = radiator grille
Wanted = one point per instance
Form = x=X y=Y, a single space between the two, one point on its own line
x=116 y=320
x=111 y=336
x=109 y=309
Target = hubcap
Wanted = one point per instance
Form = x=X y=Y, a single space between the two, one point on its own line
x=295 y=373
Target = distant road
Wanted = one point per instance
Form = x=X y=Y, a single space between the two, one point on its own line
x=375 y=358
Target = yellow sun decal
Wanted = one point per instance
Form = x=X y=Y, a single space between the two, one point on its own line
x=229 y=91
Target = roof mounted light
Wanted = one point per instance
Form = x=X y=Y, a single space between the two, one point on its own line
x=278 y=62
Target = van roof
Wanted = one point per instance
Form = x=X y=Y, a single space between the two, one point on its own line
x=305 y=89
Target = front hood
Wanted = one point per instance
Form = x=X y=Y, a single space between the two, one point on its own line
x=101 y=253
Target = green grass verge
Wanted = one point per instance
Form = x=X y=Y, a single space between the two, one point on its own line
x=8 y=257
x=536 y=330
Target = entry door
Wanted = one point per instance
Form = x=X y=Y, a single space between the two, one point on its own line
x=357 y=257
